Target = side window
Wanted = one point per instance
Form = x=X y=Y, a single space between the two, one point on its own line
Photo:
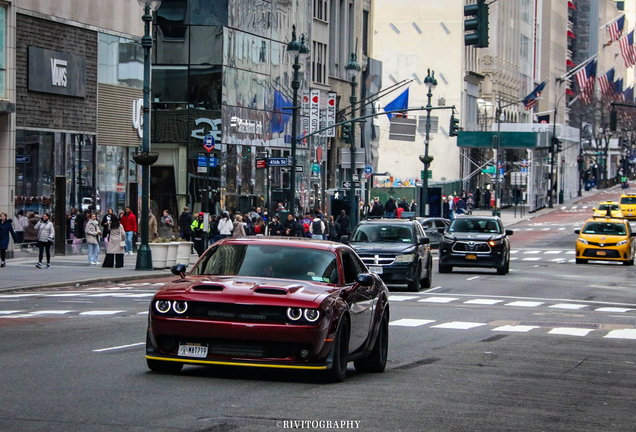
x=427 y=225
x=419 y=231
x=441 y=224
x=352 y=267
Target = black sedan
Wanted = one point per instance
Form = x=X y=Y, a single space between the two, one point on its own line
x=475 y=241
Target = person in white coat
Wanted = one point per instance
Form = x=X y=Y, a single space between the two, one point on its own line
x=92 y=238
x=116 y=244
x=225 y=226
x=46 y=237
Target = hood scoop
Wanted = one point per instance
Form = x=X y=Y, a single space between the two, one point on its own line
x=216 y=288
x=278 y=291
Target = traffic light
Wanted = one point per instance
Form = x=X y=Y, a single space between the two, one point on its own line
x=556 y=145
x=477 y=26
x=346 y=133
x=454 y=126
x=613 y=120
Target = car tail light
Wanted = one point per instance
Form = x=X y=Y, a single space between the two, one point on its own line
x=163 y=306
x=180 y=306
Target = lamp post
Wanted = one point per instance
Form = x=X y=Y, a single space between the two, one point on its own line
x=431 y=83
x=298 y=51
x=353 y=69
x=145 y=158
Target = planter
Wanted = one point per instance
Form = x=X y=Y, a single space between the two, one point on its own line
x=172 y=254
x=183 y=252
x=159 y=253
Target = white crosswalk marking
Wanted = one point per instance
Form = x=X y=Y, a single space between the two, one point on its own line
x=561 y=229
x=545 y=229
x=62 y=295
x=570 y=252
x=102 y=312
x=406 y=322
x=622 y=334
x=514 y=258
x=483 y=301
x=568 y=306
x=613 y=309
x=515 y=328
x=401 y=298
x=438 y=300
x=557 y=260
x=531 y=259
x=570 y=331
x=563 y=208
x=459 y=325
x=51 y=312
x=7 y=312
x=514 y=251
x=532 y=252
x=552 y=252
x=524 y=304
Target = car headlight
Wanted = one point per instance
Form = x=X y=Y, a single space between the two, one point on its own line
x=294 y=314
x=312 y=315
x=622 y=242
x=405 y=258
x=582 y=240
x=448 y=239
x=163 y=306
x=180 y=306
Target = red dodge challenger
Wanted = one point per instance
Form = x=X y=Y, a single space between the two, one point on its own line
x=272 y=302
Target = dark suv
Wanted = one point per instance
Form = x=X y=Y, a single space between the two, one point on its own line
x=475 y=241
x=396 y=249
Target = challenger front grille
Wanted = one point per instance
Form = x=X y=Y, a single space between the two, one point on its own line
x=471 y=247
x=234 y=348
x=236 y=312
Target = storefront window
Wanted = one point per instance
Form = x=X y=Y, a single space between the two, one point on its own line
x=120 y=61
x=205 y=87
x=111 y=178
x=170 y=84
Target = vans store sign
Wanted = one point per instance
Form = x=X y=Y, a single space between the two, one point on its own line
x=56 y=72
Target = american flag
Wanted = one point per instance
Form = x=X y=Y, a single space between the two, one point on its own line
x=618 y=90
x=605 y=82
x=627 y=48
x=616 y=29
x=531 y=100
x=586 y=78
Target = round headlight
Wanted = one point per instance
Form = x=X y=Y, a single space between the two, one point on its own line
x=162 y=306
x=294 y=314
x=180 y=306
x=312 y=315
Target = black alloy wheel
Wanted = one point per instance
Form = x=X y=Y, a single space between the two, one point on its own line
x=338 y=371
x=376 y=361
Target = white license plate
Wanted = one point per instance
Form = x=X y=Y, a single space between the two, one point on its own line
x=375 y=269
x=630 y=214
x=193 y=350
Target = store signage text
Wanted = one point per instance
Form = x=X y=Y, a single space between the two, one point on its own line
x=240 y=125
x=214 y=129
x=331 y=114
x=58 y=72
x=137 y=116
x=314 y=110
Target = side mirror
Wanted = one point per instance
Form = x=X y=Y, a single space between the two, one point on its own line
x=509 y=232
x=577 y=231
x=179 y=270
x=593 y=208
x=365 y=279
x=423 y=240
x=344 y=239
x=632 y=234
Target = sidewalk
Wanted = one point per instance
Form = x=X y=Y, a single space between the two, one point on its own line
x=67 y=270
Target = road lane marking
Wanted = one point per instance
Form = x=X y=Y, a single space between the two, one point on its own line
x=514 y=258
x=524 y=304
x=568 y=306
x=438 y=300
x=515 y=328
x=401 y=298
x=51 y=312
x=532 y=252
x=97 y=312
x=562 y=228
x=514 y=251
x=459 y=325
x=622 y=334
x=143 y=313
x=545 y=229
x=570 y=331
x=119 y=347
x=407 y=322
x=7 y=312
x=558 y=260
x=483 y=301
x=552 y=252
x=432 y=289
x=473 y=278
x=563 y=208
x=613 y=309
x=531 y=259
x=570 y=252
x=62 y=295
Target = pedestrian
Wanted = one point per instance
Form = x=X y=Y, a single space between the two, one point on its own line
x=106 y=227
x=6 y=230
x=405 y=206
x=19 y=223
x=92 y=238
x=70 y=225
x=306 y=224
x=213 y=229
x=239 y=228
x=152 y=225
x=477 y=198
x=470 y=204
x=317 y=229
x=377 y=210
x=129 y=222
x=225 y=226
x=275 y=227
x=399 y=212
x=80 y=234
x=487 y=200
x=260 y=229
x=332 y=229
x=198 y=233
x=445 y=207
x=30 y=233
x=343 y=223
x=166 y=225
x=116 y=244
x=413 y=207
x=185 y=222
x=46 y=237
x=390 y=207
x=291 y=227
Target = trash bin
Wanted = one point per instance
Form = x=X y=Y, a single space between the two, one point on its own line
x=561 y=196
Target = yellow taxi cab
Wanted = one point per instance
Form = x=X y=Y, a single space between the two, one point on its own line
x=613 y=206
x=605 y=239
x=628 y=205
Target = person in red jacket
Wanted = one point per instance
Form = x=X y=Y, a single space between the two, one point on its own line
x=129 y=222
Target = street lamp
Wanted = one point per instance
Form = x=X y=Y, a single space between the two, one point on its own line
x=431 y=83
x=145 y=157
x=297 y=51
x=353 y=69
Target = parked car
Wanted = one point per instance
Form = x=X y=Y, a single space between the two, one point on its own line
x=434 y=229
x=396 y=249
x=271 y=302
x=606 y=239
x=475 y=241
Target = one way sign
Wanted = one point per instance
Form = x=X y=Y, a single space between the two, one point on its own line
x=347 y=185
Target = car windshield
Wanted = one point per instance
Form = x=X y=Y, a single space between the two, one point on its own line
x=605 y=228
x=269 y=261
x=486 y=226
x=609 y=206
x=628 y=200
x=373 y=233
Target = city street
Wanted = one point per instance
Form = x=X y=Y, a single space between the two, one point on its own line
x=548 y=347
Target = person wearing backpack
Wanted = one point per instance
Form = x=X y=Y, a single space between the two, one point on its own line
x=317 y=229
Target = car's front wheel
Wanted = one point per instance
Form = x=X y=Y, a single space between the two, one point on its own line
x=168 y=367
x=428 y=280
x=414 y=285
x=376 y=361
x=338 y=371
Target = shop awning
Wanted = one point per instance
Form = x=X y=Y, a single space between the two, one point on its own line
x=509 y=140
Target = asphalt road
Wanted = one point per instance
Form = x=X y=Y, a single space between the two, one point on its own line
x=548 y=347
